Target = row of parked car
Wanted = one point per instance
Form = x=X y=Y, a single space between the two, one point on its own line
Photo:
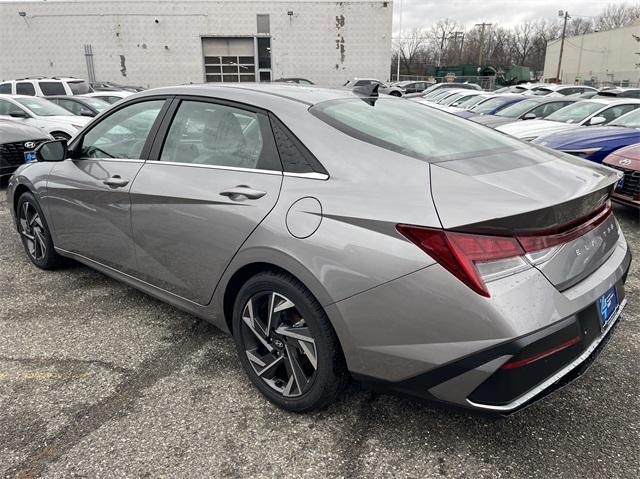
x=600 y=126
x=33 y=110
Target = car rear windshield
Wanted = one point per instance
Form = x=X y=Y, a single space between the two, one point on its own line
x=576 y=112
x=472 y=100
x=630 y=120
x=79 y=87
x=42 y=107
x=411 y=128
x=493 y=104
x=542 y=91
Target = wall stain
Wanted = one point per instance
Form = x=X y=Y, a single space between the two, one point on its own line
x=123 y=66
x=340 y=21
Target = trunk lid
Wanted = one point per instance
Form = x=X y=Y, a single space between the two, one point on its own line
x=530 y=191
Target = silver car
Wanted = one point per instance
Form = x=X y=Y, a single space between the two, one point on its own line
x=339 y=234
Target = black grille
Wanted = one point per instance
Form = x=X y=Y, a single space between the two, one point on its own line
x=631 y=185
x=12 y=154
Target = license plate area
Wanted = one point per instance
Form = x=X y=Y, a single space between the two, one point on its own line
x=30 y=156
x=607 y=305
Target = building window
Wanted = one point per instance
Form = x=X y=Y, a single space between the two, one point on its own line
x=264 y=52
x=263 y=24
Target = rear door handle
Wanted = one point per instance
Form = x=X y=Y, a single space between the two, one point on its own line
x=116 y=182
x=240 y=191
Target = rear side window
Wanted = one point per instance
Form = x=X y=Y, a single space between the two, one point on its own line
x=79 y=87
x=412 y=129
x=5 y=88
x=206 y=133
x=50 y=88
x=25 y=88
x=295 y=157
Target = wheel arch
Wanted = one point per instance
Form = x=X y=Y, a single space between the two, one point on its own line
x=252 y=262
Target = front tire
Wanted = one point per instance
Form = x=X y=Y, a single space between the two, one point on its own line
x=286 y=344
x=35 y=234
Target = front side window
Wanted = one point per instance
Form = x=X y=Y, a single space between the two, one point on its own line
x=122 y=134
x=412 y=129
x=575 y=113
x=25 y=88
x=614 y=112
x=218 y=135
x=72 y=106
x=630 y=120
x=50 y=88
x=42 y=107
x=5 y=88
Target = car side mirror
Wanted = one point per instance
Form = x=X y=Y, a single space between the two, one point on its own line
x=529 y=116
x=55 y=150
x=86 y=112
x=597 y=120
x=18 y=114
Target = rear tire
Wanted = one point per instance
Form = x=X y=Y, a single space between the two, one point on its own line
x=286 y=344
x=35 y=234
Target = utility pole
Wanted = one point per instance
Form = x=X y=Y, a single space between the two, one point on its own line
x=399 y=43
x=482 y=26
x=441 y=48
x=566 y=16
x=454 y=36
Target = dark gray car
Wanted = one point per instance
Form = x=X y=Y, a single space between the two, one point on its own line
x=530 y=109
x=337 y=234
x=17 y=141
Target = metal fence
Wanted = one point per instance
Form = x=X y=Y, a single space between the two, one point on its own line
x=486 y=82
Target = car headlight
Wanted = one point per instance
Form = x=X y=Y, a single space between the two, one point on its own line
x=77 y=127
x=583 y=153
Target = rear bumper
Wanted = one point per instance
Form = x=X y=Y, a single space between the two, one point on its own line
x=426 y=336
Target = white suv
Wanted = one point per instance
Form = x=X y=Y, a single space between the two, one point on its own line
x=43 y=86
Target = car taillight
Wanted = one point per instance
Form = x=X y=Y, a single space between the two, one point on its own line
x=468 y=257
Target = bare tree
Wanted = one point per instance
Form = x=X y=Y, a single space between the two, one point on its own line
x=616 y=15
x=410 y=47
x=523 y=39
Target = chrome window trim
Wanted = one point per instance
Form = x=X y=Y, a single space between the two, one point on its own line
x=313 y=175
x=557 y=376
x=217 y=167
x=113 y=160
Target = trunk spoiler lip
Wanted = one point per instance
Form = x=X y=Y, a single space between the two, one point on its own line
x=549 y=220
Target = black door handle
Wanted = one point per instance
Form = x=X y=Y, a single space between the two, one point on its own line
x=240 y=192
x=116 y=182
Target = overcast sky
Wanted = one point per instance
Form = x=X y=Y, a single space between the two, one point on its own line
x=507 y=13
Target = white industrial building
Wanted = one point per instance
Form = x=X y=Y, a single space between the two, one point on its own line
x=607 y=57
x=156 y=43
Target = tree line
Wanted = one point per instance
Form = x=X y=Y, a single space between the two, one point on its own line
x=448 y=43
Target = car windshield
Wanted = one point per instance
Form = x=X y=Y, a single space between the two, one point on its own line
x=517 y=109
x=630 y=120
x=80 y=87
x=42 y=107
x=472 y=100
x=491 y=105
x=96 y=103
x=412 y=129
x=575 y=113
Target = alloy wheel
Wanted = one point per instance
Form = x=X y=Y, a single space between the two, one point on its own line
x=278 y=343
x=32 y=230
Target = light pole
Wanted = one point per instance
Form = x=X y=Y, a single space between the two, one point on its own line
x=399 y=43
x=566 y=16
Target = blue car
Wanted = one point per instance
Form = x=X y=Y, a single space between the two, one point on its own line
x=595 y=142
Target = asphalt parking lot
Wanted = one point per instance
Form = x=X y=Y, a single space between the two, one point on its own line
x=99 y=380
